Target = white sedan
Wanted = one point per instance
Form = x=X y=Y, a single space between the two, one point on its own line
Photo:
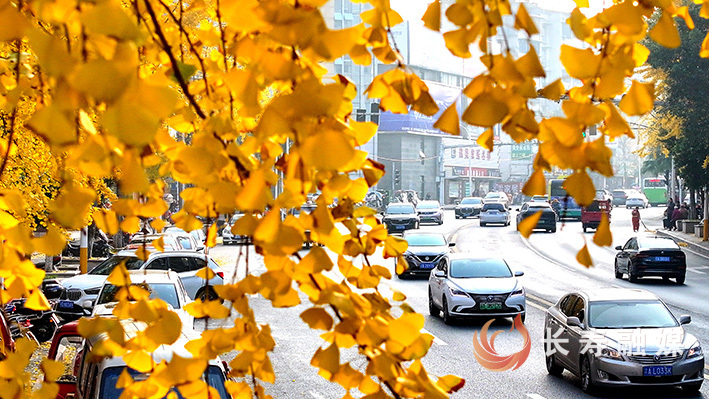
x=636 y=200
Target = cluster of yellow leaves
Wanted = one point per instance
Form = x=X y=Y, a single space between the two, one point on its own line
x=229 y=98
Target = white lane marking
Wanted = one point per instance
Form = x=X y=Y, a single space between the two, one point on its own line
x=435 y=338
x=534 y=305
x=316 y=395
x=535 y=396
x=700 y=267
x=695 y=271
x=538 y=299
x=695 y=252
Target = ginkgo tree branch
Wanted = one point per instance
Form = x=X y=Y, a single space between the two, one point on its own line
x=175 y=66
x=13 y=116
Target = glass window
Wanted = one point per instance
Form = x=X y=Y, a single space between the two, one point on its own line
x=215 y=378
x=399 y=209
x=165 y=291
x=472 y=201
x=180 y=264
x=158 y=264
x=106 y=267
x=567 y=305
x=67 y=350
x=659 y=243
x=479 y=268
x=630 y=314
x=428 y=205
x=425 y=239
x=493 y=206
x=185 y=242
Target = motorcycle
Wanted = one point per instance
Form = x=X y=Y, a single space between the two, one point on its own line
x=41 y=323
x=100 y=248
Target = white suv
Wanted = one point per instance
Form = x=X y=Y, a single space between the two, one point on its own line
x=497 y=197
x=494 y=212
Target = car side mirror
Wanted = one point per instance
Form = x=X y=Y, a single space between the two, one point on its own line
x=618 y=248
x=685 y=319
x=574 y=321
x=451 y=244
x=439 y=273
x=519 y=273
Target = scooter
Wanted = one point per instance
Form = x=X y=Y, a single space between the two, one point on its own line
x=100 y=248
x=42 y=323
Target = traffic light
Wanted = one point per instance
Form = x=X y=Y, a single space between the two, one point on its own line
x=397 y=176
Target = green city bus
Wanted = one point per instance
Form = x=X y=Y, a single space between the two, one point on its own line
x=569 y=208
x=655 y=189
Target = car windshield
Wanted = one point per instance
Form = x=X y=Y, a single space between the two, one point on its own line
x=400 y=209
x=619 y=193
x=110 y=376
x=630 y=314
x=492 y=196
x=235 y=217
x=427 y=205
x=165 y=291
x=425 y=240
x=106 y=267
x=657 y=243
x=470 y=201
x=493 y=206
x=539 y=205
x=479 y=268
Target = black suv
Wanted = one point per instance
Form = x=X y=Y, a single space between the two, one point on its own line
x=547 y=221
x=425 y=252
x=401 y=216
x=468 y=207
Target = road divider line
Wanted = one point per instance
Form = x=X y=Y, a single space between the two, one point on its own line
x=538 y=299
x=535 y=396
x=695 y=271
x=435 y=338
x=539 y=253
x=534 y=305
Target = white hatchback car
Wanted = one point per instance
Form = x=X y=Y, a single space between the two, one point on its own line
x=636 y=200
x=494 y=212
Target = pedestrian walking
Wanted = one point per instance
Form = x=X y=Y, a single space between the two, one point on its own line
x=636 y=219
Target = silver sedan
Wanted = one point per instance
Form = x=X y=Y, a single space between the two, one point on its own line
x=615 y=337
x=463 y=285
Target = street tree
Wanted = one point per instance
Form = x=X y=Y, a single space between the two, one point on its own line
x=113 y=81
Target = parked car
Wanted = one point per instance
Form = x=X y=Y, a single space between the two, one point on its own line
x=547 y=221
x=65 y=347
x=650 y=256
x=400 y=216
x=604 y=195
x=425 y=252
x=495 y=196
x=80 y=292
x=619 y=196
x=229 y=238
x=430 y=211
x=494 y=212
x=464 y=285
x=618 y=337
x=198 y=235
x=162 y=284
x=97 y=378
x=172 y=241
x=636 y=199
x=468 y=207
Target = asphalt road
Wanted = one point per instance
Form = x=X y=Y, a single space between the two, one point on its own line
x=551 y=270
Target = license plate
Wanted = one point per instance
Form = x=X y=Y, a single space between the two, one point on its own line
x=662 y=259
x=66 y=305
x=490 y=306
x=656 y=371
x=427 y=265
x=400 y=227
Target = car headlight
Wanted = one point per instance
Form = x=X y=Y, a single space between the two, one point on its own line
x=611 y=353
x=518 y=291
x=694 y=351
x=457 y=292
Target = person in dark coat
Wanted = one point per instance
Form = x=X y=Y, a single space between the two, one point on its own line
x=667 y=221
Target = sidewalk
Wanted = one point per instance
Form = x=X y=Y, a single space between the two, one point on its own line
x=694 y=243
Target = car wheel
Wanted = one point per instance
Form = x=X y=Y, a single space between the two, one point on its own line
x=586 y=376
x=584 y=228
x=632 y=277
x=417 y=225
x=457 y=217
x=447 y=317
x=618 y=273
x=553 y=367
x=553 y=230
x=680 y=279
x=432 y=308
x=207 y=295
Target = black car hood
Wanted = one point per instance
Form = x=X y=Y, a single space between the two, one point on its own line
x=427 y=250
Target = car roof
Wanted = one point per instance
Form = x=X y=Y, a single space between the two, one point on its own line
x=617 y=294
x=538 y=204
x=152 y=276
x=473 y=256
x=428 y=202
x=132 y=252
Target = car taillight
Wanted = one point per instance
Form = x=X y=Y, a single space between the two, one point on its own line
x=221 y=275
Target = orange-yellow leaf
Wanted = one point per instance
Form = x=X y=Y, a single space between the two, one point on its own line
x=448 y=121
x=432 y=17
x=51 y=243
x=211 y=240
x=37 y=301
x=704 y=51
x=528 y=224
x=205 y=273
x=52 y=369
x=394 y=246
x=107 y=221
x=536 y=184
x=486 y=139
x=406 y=329
x=327 y=360
x=339 y=150
x=119 y=276
x=580 y=186
x=71 y=206
x=584 y=257
x=665 y=32
x=139 y=360
x=524 y=21
x=603 y=236
x=317 y=318
x=450 y=383
x=553 y=90
x=639 y=100
x=485 y=111
x=580 y=64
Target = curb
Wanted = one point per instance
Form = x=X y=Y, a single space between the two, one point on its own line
x=699 y=249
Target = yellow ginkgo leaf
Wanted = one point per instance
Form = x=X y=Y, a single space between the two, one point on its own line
x=581 y=3
x=71 y=206
x=485 y=111
x=327 y=360
x=524 y=21
x=432 y=17
x=584 y=257
x=157 y=224
x=53 y=124
x=107 y=221
x=536 y=184
x=528 y=224
x=704 y=51
x=665 y=32
x=486 y=140
x=553 y=90
x=450 y=383
x=394 y=246
x=37 y=301
x=51 y=243
x=406 y=329
x=580 y=186
x=317 y=318
x=580 y=64
x=119 y=275
x=159 y=244
x=340 y=150
x=579 y=25
x=211 y=239
x=139 y=360
x=398 y=295
x=448 y=121
x=639 y=100
x=205 y=273
x=52 y=369
x=603 y=236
